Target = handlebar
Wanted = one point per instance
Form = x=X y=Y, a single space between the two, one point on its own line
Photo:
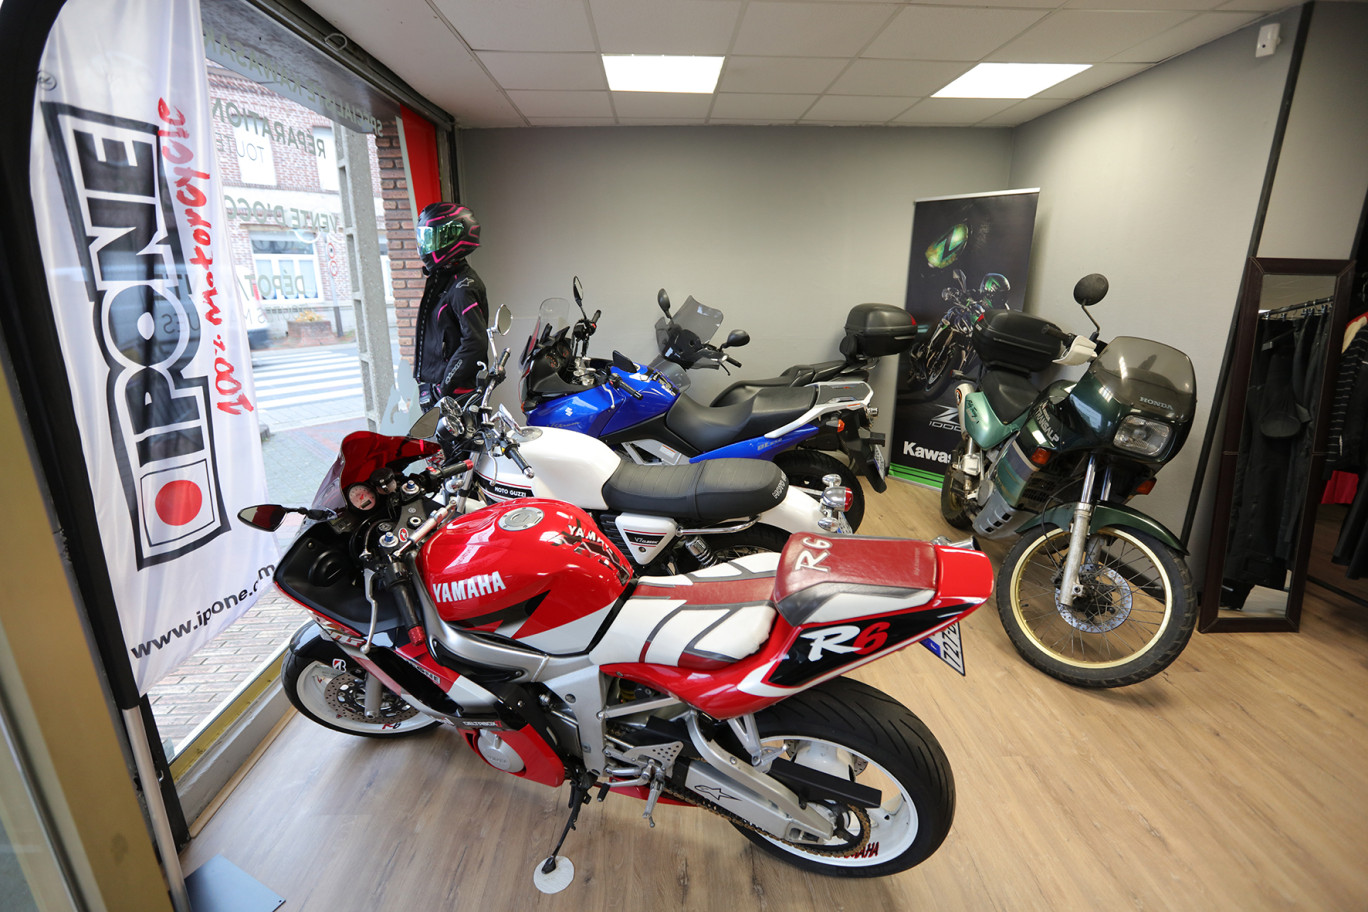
x=615 y=381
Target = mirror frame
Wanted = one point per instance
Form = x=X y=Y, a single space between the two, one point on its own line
x=1247 y=321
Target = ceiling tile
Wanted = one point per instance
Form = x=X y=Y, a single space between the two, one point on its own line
x=515 y=70
x=1191 y=5
x=938 y=33
x=665 y=26
x=779 y=74
x=897 y=77
x=562 y=104
x=953 y=112
x=816 y=29
x=1182 y=38
x=1038 y=4
x=572 y=121
x=660 y=121
x=1098 y=76
x=1086 y=36
x=661 y=104
x=1022 y=111
x=519 y=25
x=764 y=107
x=856 y=109
x=1257 y=6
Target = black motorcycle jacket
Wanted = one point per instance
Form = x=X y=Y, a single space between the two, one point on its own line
x=451 y=338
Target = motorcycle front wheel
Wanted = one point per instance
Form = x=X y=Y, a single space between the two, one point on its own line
x=850 y=730
x=954 y=506
x=806 y=469
x=336 y=698
x=1135 y=615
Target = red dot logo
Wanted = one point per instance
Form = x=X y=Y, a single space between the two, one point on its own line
x=178 y=502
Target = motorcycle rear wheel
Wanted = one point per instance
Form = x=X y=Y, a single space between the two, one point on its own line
x=334 y=698
x=1134 y=619
x=846 y=728
x=805 y=470
x=954 y=508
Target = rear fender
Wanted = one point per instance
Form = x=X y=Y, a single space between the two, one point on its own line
x=798 y=512
x=1108 y=516
x=833 y=618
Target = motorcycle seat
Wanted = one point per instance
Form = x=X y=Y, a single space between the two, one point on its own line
x=797 y=375
x=712 y=427
x=823 y=580
x=708 y=491
x=1009 y=393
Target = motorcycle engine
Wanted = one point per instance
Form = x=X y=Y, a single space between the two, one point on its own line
x=498 y=753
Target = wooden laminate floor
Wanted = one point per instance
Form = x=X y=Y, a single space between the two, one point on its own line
x=1235 y=780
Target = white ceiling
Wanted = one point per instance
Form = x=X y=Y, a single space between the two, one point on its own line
x=517 y=63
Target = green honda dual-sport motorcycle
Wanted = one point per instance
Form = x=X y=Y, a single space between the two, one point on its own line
x=1094 y=593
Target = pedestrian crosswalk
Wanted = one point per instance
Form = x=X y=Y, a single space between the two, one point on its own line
x=297 y=377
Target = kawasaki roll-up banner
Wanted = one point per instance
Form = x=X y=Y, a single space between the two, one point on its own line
x=129 y=213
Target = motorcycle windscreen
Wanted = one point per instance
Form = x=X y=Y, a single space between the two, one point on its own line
x=1147 y=375
x=553 y=316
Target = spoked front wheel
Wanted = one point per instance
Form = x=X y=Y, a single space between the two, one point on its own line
x=848 y=729
x=1134 y=616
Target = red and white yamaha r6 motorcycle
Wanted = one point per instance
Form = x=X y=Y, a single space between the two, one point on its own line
x=521 y=626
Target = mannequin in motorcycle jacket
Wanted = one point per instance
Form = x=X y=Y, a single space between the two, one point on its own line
x=450 y=338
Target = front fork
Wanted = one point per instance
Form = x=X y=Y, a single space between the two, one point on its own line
x=1069 y=585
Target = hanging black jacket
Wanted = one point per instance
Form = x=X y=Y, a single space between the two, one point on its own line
x=451 y=337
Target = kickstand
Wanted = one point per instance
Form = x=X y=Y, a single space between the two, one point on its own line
x=579 y=797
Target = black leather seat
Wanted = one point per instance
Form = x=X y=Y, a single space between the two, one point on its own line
x=1009 y=393
x=707 y=491
x=707 y=427
x=797 y=375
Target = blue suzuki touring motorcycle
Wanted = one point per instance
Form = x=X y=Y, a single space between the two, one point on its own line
x=641 y=409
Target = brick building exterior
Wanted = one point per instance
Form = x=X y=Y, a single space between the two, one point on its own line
x=284 y=212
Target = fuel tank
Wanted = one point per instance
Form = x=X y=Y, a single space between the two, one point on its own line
x=537 y=571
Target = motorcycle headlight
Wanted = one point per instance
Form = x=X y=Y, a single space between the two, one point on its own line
x=1142 y=436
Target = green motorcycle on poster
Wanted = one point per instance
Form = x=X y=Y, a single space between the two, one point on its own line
x=1094 y=593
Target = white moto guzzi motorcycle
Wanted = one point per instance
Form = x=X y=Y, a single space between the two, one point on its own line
x=666 y=519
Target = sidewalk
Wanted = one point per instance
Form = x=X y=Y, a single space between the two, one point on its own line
x=296 y=461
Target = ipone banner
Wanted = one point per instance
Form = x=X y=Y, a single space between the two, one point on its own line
x=969 y=255
x=130 y=217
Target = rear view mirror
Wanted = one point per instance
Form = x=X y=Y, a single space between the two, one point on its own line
x=1091 y=289
x=664 y=301
x=426 y=427
x=578 y=287
x=266 y=517
x=502 y=320
x=624 y=363
x=737 y=338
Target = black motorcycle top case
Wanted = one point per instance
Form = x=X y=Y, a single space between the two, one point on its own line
x=1015 y=340
x=876 y=330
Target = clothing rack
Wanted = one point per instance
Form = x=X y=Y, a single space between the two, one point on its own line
x=1297 y=311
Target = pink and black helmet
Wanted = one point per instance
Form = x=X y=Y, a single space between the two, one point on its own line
x=447 y=233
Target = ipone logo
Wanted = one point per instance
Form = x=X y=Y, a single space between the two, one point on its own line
x=123 y=221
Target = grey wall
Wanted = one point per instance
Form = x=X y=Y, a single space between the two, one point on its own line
x=1322 y=174
x=783 y=229
x=1155 y=183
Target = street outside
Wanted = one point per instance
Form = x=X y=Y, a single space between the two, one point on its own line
x=308 y=399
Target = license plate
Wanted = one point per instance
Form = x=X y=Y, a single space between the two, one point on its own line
x=880 y=461
x=946 y=645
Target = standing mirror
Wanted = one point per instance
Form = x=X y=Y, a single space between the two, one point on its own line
x=1290 y=321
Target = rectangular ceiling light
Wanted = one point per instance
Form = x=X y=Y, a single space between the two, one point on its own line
x=1009 y=80
x=639 y=73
